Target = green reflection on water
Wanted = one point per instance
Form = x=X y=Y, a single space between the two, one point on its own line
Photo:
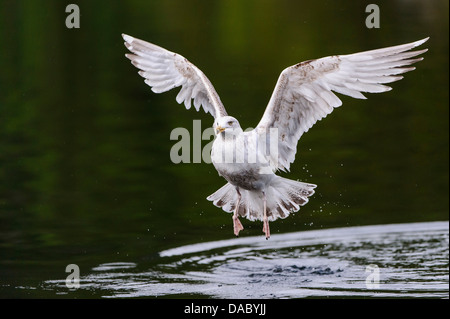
x=85 y=173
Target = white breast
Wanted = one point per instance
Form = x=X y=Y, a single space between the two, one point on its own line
x=238 y=159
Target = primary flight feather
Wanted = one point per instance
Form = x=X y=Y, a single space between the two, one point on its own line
x=304 y=94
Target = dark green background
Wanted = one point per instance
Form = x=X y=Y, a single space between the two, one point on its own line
x=85 y=172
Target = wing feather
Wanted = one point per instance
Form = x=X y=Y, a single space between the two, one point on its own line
x=164 y=70
x=304 y=93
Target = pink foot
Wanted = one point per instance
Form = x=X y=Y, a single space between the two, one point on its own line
x=266 y=228
x=237 y=226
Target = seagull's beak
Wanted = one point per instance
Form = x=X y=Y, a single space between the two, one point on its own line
x=219 y=129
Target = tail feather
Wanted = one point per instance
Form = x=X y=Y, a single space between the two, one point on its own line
x=225 y=197
x=283 y=196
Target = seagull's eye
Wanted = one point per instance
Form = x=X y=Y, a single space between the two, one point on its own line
x=230 y=123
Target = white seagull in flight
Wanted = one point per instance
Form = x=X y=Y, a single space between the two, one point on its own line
x=303 y=95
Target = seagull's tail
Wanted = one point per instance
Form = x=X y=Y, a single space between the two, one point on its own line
x=225 y=197
x=283 y=196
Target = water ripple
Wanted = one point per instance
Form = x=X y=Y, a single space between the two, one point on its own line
x=412 y=260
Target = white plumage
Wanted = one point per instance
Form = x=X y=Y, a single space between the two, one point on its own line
x=304 y=94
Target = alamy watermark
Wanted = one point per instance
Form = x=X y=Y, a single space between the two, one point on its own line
x=373 y=19
x=373 y=277
x=250 y=147
x=73 y=19
x=73 y=279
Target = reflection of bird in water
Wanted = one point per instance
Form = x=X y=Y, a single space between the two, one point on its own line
x=302 y=96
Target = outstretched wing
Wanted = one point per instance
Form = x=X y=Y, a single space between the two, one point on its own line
x=164 y=70
x=303 y=94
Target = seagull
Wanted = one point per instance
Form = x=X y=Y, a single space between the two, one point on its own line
x=303 y=95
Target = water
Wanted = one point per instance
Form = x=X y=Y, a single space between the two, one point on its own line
x=412 y=260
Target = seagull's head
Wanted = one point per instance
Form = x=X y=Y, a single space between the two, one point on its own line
x=228 y=125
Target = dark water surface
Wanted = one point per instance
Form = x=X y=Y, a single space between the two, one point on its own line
x=86 y=176
x=411 y=260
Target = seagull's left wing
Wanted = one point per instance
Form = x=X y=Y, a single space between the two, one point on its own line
x=164 y=70
x=303 y=94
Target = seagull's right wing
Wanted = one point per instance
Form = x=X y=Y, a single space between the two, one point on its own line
x=164 y=70
x=304 y=92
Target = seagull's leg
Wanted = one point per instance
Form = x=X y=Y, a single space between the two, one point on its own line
x=237 y=226
x=266 y=228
